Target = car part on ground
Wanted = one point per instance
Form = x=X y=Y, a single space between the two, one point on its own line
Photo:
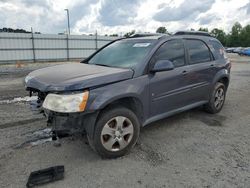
x=44 y=176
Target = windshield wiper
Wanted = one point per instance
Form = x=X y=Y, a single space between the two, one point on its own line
x=101 y=65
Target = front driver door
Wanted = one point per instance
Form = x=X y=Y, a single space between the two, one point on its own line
x=168 y=89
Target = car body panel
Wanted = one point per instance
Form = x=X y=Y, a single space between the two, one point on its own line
x=199 y=78
x=75 y=76
x=168 y=90
x=137 y=88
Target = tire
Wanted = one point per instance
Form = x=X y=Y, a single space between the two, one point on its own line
x=217 y=99
x=116 y=132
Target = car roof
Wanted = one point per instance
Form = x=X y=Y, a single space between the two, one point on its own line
x=179 y=34
x=199 y=33
x=192 y=37
x=144 y=38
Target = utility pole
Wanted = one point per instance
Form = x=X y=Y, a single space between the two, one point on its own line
x=96 y=41
x=33 y=45
x=67 y=10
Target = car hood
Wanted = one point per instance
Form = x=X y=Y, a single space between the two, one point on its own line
x=74 y=76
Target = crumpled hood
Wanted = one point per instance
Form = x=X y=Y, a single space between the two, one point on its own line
x=74 y=76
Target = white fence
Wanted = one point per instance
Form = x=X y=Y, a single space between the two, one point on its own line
x=46 y=47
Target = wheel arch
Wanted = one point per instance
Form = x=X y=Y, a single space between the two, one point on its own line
x=224 y=80
x=131 y=102
x=223 y=77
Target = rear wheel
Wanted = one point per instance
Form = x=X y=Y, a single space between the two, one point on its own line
x=116 y=132
x=217 y=99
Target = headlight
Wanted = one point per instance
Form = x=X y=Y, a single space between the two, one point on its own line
x=66 y=103
x=27 y=78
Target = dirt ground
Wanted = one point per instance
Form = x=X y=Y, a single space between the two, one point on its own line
x=191 y=149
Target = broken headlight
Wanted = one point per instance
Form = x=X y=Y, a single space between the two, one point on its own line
x=66 y=103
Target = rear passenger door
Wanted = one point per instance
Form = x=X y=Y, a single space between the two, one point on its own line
x=168 y=89
x=201 y=71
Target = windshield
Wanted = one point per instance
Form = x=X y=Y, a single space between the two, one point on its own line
x=124 y=53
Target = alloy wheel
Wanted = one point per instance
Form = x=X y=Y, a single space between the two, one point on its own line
x=117 y=133
x=219 y=98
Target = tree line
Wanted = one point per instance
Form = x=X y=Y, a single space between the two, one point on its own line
x=238 y=36
x=10 y=30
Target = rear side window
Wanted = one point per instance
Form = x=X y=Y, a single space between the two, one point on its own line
x=172 y=50
x=198 y=51
x=219 y=51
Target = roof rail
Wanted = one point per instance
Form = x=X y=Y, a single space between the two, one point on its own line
x=201 y=33
x=136 y=35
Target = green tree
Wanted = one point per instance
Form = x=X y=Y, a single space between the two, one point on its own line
x=113 y=35
x=234 y=38
x=161 y=30
x=220 y=35
x=10 y=30
x=245 y=36
x=203 y=29
x=129 y=33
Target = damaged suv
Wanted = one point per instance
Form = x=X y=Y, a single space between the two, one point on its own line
x=130 y=83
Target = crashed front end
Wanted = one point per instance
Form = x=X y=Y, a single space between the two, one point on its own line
x=65 y=113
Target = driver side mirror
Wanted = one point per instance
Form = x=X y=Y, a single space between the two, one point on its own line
x=162 y=65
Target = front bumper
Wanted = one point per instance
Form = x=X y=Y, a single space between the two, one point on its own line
x=70 y=123
x=65 y=123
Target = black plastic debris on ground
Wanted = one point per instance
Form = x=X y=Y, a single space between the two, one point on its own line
x=45 y=176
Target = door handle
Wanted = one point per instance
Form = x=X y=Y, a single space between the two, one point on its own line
x=184 y=72
x=212 y=65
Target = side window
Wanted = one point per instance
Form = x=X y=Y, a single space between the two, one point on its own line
x=218 y=49
x=173 y=51
x=198 y=51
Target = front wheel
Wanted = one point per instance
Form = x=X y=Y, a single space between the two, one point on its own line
x=116 y=132
x=217 y=99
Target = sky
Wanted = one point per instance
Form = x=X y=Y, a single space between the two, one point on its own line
x=122 y=16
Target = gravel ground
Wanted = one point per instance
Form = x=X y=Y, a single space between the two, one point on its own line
x=191 y=149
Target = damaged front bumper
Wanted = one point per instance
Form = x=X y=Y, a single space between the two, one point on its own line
x=70 y=123
x=65 y=123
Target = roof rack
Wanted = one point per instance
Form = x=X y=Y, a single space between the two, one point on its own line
x=201 y=33
x=136 y=35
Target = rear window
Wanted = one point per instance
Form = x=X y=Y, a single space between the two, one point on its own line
x=219 y=51
x=198 y=51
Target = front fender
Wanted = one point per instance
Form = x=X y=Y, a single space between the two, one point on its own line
x=137 y=88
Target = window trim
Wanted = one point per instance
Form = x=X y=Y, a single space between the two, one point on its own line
x=187 y=51
x=152 y=60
